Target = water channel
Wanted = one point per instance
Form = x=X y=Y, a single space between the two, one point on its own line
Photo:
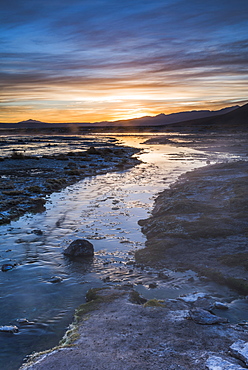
x=105 y=210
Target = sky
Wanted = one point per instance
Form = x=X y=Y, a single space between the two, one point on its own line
x=97 y=60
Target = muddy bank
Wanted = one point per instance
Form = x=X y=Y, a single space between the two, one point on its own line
x=115 y=331
x=200 y=223
x=26 y=180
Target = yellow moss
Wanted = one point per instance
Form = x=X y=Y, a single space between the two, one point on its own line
x=72 y=334
x=154 y=303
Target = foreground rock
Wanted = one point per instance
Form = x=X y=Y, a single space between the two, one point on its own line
x=80 y=248
x=111 y=332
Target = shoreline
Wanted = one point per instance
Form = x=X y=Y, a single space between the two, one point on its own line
x=26 y=181
x=200 y=223
x=114 y=330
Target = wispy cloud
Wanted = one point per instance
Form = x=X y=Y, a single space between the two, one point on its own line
x=159 y=53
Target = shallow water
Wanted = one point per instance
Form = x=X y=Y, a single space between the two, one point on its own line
x=47 y=144
x=104 y=209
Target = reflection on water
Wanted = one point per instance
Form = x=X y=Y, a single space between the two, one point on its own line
x=103 y=209
x=44 y=144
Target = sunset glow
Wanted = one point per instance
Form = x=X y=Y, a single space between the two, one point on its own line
x=87 y=61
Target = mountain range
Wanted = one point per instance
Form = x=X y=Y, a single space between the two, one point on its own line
x=230 y=116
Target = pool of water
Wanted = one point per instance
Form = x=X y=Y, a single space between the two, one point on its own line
x=105 y=210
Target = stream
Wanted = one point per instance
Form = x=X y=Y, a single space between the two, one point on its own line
x=103 y=209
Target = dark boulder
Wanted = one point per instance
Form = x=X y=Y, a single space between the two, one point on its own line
x=80 y=248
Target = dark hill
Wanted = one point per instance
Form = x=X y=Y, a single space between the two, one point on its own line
x=237 y=119
x=31 y=121
x=166 y=119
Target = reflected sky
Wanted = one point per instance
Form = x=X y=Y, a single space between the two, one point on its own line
x=71 y=61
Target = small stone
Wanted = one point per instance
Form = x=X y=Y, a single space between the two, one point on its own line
x=55 y=279
x=162 y=275
x=129 y=263
x=37 y=232
x=9 y=329
x=80 y=248
x=25 y=322
x=7 y=267
x=153 y=285
x=106 y=279
x=220 y=306
x=239 y=350
x=192 y=297
x=204 y=317
x=135 y=298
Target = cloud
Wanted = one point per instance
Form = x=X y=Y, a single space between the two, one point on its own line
x=103 y=46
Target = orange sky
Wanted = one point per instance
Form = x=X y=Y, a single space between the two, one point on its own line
x=72 y=104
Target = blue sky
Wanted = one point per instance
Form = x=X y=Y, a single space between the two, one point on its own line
x=97 y=60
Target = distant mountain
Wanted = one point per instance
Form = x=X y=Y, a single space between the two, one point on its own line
x=166 y=119
x=237 y=118
x=159 y=122
x=32 y=121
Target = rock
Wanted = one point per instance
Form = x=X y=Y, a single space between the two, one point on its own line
x=25 y=322
x=38 y=205
x=135 y=298
x=106 y=279
x=192 y=297
x=80 y=248
x=7 y=267
x=153 y=285
x=37 y=232
x=217 y=363
x=162 y=275
x=55 y=279
x=9 y=329
x=130 y=263
x=239 y=350
x=191 y=279
x=204 y=317
x=92 y=150
x=220 y=306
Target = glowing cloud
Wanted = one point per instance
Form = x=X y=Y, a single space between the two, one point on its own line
x=106 y=60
